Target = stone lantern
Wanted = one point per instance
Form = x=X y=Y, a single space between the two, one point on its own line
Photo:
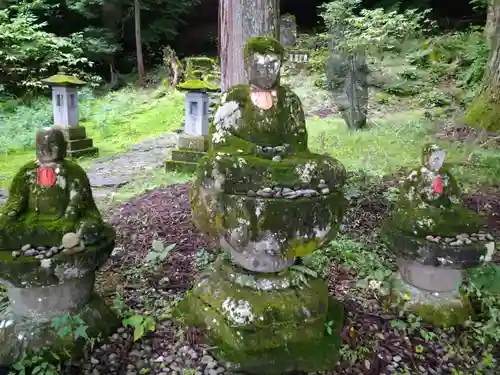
x=65 y=109
x=193 y=142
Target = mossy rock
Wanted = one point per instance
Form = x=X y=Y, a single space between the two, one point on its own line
x=27 y=271
x=264 y=332
x=484 y=112
x=201 y=64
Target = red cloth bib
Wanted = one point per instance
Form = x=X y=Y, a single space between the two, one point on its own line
x=438 y=185
x=46 y=177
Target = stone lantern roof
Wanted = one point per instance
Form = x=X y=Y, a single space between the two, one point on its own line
x=197 y=85
x=63 y=79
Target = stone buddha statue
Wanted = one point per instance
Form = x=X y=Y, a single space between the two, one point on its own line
x=430 y=201
x=259 y=187
x=49 y=198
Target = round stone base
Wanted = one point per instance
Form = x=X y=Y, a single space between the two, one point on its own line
x=442 y=309
x=23 y=334
x=262 y=323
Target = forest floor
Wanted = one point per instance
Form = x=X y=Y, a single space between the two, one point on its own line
x=145 y=203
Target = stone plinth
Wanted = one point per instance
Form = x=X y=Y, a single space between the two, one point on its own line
x=264 y=323
x=78 y=143
x=430 y=276
x=40 y=290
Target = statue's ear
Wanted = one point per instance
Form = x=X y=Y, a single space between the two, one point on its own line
x=436 y=160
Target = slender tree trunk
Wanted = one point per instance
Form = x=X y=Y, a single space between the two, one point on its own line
x=240 y=20
x=138 y=41
x=484 y=111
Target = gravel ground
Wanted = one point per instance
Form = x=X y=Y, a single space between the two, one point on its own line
x=372 y=344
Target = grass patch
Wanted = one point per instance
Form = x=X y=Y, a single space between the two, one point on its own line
x=395 y=143
x=114 y=121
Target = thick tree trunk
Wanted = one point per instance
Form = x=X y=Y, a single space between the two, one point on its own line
x=484 y=111
x=138 y=41
x=240 y=20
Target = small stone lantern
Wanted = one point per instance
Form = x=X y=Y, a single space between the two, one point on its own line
x=65 y=110
x=193 y=142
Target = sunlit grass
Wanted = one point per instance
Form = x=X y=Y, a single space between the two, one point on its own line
x=114 y=121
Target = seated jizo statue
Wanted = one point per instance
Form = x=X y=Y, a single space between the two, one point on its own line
x=435 y=238
x=49 y=198
x=259 y=189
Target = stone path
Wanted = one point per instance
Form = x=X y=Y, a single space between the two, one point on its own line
x=108 y=173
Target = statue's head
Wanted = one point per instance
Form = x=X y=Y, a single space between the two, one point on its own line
x=433 y=157
x=50 y=145
x=263 y=58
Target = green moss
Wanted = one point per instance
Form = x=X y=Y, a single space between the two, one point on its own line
x=265 y=332
x=443 y=222
x=197 y=85
x=180 y=166
x=444 y=316
x=484 y=112
x=39 y=213
x=283 y=123
x=63 y=80
x=264 y=45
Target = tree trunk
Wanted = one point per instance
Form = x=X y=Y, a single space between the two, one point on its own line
x=484 y=111
x=138 y=41
x=240 y=20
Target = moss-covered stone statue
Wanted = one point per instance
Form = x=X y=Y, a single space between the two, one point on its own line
x=267 y=200
x=52 y=241
x=48 y=198
x=435 y=238
x=260 y=176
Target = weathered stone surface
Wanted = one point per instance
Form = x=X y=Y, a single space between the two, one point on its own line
x=440 y=308
x=19 y=334
x=274 y=329
x=3 y=196
x=266 y=235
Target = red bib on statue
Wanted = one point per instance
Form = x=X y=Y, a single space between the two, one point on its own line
x=46 y=177
x=438 y=185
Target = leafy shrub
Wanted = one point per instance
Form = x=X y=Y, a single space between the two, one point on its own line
x=434 y=98
x=402 y=88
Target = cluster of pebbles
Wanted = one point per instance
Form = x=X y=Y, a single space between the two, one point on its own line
x=288 y=193
x=70 y=244
x=40 y=252
x=461 y=239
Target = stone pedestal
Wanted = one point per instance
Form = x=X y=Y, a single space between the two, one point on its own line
x=430 y=275
x=265 y=323
x=40 y=290
x=78 y=143
x=190 y=149
x=433 y=293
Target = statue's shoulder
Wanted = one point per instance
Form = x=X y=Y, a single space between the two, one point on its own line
x=74 y=170
x=237 y=93
x=286 y=92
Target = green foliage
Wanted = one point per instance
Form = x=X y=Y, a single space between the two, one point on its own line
x=458 y=55
x=141 y=325
x=370 y=29
x=29 y=53
x=45 y=361
x=158 y=252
